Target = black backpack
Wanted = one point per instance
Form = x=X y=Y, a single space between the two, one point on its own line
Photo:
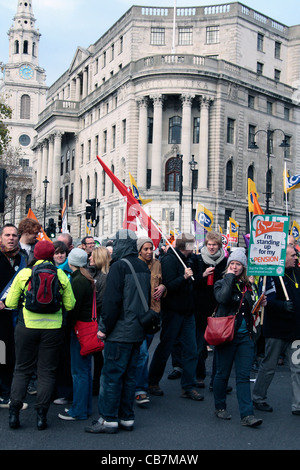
x=43 y=294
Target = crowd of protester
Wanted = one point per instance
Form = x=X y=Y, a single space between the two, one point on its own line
x=183 y=284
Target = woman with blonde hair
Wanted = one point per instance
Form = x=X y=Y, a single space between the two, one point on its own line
x=98 y=267
x=83 y=286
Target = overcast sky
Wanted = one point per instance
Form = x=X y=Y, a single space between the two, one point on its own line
x=66 y=24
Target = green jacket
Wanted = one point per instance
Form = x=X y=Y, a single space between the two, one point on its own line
x=36 y=320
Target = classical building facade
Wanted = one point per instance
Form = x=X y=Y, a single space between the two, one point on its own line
x=23 y=88
x=158 y=88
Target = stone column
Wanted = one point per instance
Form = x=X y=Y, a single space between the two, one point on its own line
x=203 y=142
x=142 y=145
x=186 y=136
x=85 y=83
x=50 y=168
x=77 y=174
x=56 y=168
x=77 y=90
x=157 y=142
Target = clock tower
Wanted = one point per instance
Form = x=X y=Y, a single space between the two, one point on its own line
x=23 y=86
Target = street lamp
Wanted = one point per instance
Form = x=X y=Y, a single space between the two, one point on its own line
x=254 y=146
x=180 y=157
x=192 y=164
x=45 y=182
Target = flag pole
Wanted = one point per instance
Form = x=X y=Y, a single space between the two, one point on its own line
x=285 y=190
x=170 y=245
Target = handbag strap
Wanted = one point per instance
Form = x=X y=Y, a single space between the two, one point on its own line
x=94 y=308
x=138 y=285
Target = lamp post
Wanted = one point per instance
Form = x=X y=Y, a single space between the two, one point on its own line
x=192 y=164
x=180 y=189
x=45 y=182
x=284 y=144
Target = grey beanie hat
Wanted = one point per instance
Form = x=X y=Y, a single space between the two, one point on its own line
x=78 y=257
x=141 y=241
x=238 y=255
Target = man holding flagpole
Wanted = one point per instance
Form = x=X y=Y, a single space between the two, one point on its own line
x=178 y=320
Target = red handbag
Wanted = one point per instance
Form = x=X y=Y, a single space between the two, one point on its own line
x=86 y=333
x=219 y=330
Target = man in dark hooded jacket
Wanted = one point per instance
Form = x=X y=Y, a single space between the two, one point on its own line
x=119 y=326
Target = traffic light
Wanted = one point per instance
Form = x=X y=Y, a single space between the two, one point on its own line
x=90 y=210
x=3 y=186
x=60 y=219
x=51 y=229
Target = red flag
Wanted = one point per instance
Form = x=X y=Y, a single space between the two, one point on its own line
x=257 y=210
x=134 y=209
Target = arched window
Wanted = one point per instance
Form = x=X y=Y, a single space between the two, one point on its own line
x=112 y=184
x=229 y=175
x=25 y=107
x=33 y=49
x=251 y=172
x=17 y=47
x=175 y=130
x=172 y=174
x=25 y=47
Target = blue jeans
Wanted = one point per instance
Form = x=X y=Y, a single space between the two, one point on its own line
x=181 y=327
x=118 y=381
x=142 y=366
x=81 y=370
x=240 y=351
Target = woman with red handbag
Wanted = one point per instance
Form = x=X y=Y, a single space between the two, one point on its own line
x=81 y=366
x=234 y=297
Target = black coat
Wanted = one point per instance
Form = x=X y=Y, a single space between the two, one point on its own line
x=7 y=271
x=181 y=292
x=231 y=301
x=278 y=323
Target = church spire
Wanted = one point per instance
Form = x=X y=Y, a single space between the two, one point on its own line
x=23 y=36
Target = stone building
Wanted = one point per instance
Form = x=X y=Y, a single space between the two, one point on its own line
x=23 y=88
x=159 y=84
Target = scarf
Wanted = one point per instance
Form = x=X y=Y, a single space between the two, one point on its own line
x=9 y=253
x=212 y=260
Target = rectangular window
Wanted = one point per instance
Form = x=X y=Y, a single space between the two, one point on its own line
x=196 y=130
x=277 y=52
x=150 y=130
x=157 y=36
x=104 y=141
x=287 y=114
x=89 y=150
x=121 y=45
x=82 y=153
x=113 y=137
x=212 y=34
x=124 y=131
x=185 y=36
x=260 y=42
x=251 y=101
x=251 y=134
x=62 y=159
x=269 y=107
x=277 y=74
x=97 y=145
x=259 y=68
x=230 y=131
x=73 y=160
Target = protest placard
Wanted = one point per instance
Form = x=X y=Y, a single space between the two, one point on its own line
x=267 y=247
